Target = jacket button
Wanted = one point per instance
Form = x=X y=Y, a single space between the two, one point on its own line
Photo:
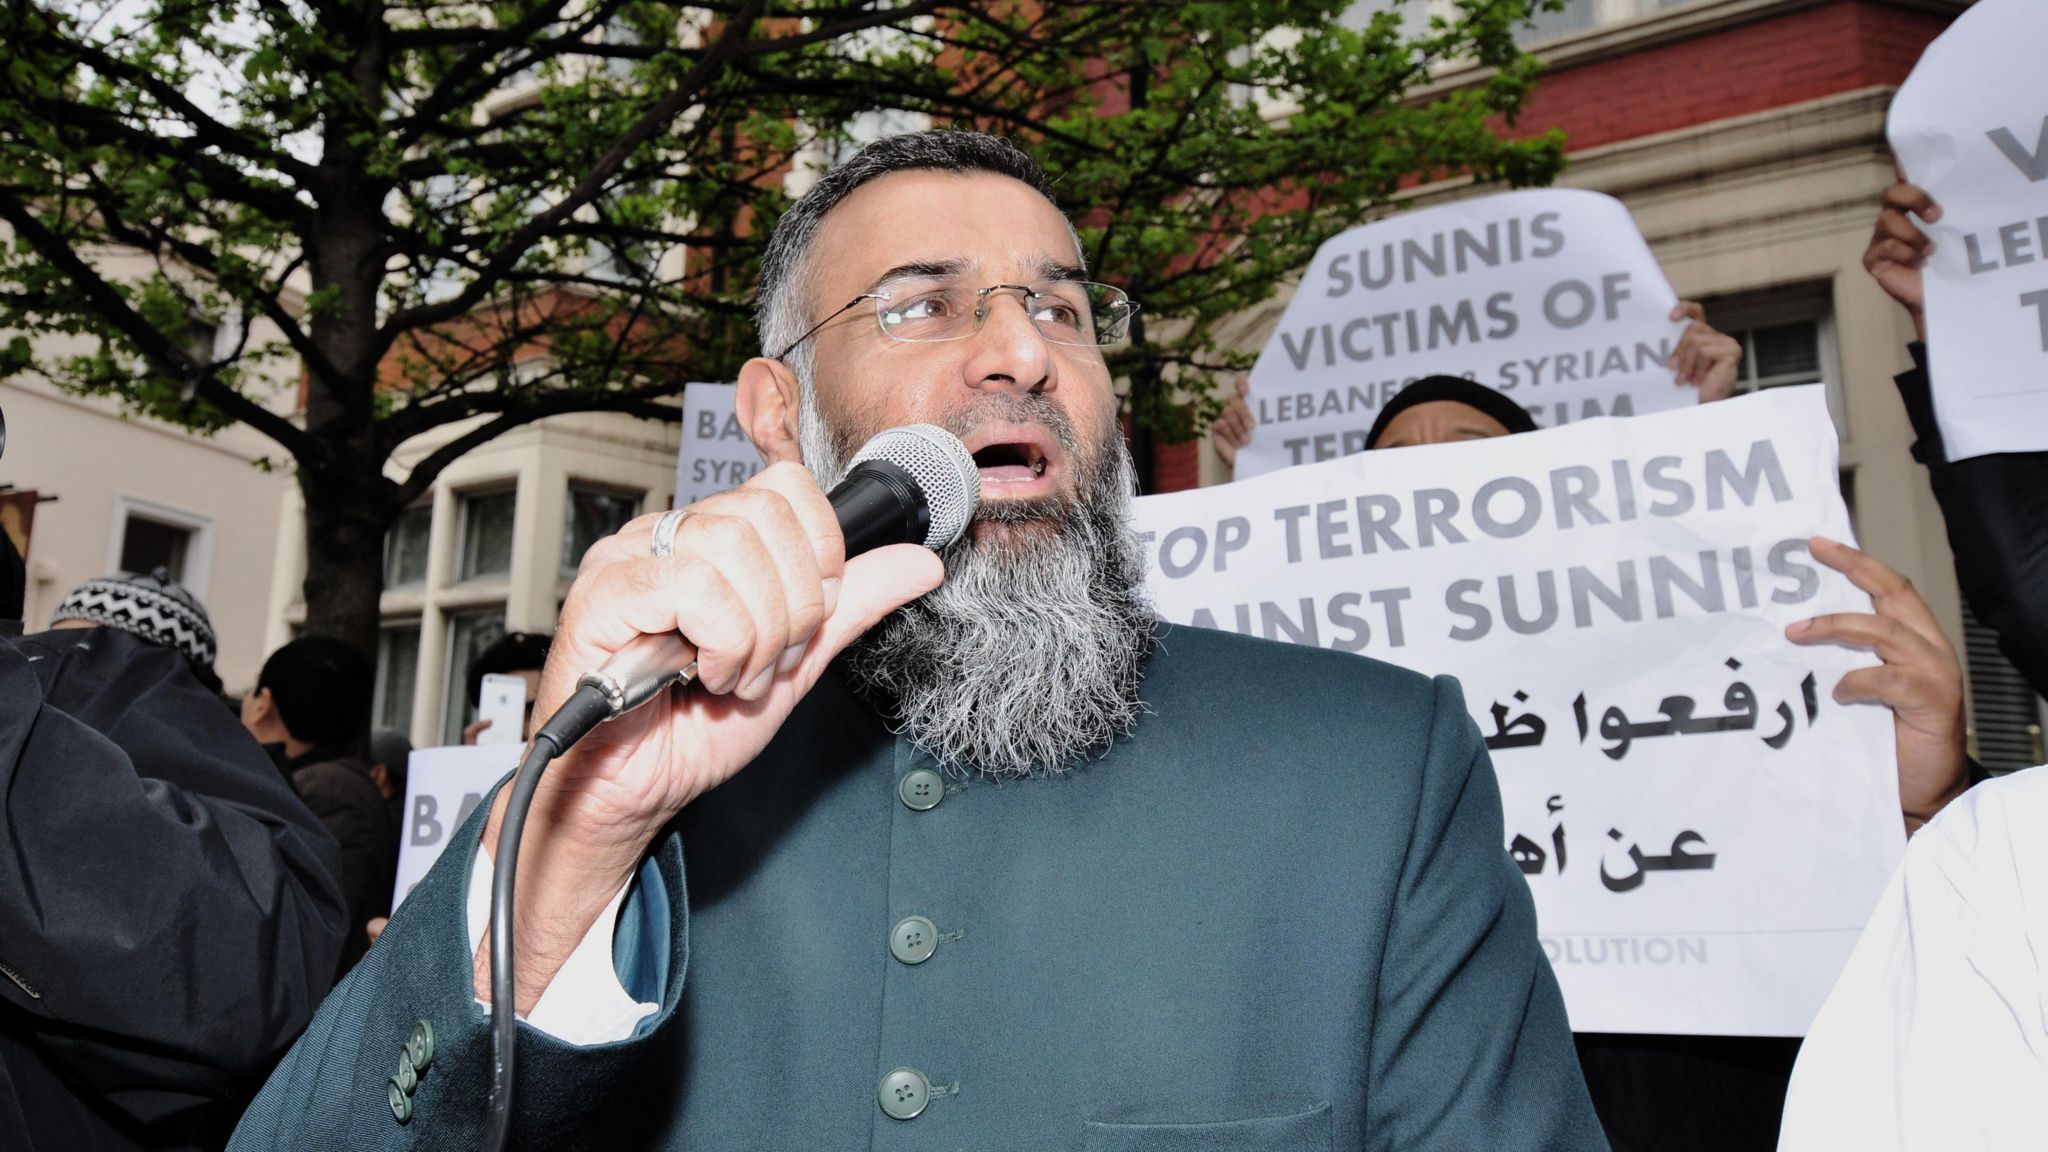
x=400 y=1100
x=420 y=1045
x=914 y=940
x=921 y=790
x=905 y=1092
x=408 y=1077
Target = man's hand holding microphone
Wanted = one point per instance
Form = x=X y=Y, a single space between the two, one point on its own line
x=758 y=581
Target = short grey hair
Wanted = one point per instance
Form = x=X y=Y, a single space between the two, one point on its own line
x=780 y=310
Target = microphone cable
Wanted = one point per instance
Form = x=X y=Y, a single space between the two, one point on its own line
x=585 y=709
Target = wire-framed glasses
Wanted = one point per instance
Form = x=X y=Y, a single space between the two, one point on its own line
x=1077 y=313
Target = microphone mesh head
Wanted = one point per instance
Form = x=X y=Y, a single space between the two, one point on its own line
x=943 y=468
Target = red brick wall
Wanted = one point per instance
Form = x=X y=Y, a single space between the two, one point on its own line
x=1175 y=467
x=1768 y=63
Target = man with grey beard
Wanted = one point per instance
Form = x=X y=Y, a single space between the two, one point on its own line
x=962 y=850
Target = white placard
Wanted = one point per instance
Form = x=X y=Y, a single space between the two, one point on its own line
x=1970 y=126
x=1703 y=828
x=442 y=787
x=715 y=453
x=1550 y=296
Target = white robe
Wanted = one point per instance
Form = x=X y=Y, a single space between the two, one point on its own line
x=1936 y=1035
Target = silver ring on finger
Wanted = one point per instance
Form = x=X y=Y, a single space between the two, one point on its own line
x=664 y=543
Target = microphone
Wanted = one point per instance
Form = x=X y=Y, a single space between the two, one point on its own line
x=916 y=484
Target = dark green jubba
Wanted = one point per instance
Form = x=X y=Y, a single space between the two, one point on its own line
x=1278 y=916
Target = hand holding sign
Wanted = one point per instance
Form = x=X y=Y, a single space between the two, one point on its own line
x=1232 y=428
x=1921 y=680
x=1898 y=249
x=1707 y=358
x=1970 y=128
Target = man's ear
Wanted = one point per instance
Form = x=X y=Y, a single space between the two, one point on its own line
x=767 y=404
x=257 y=710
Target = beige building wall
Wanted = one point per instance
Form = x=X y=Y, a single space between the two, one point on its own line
x=105 y=469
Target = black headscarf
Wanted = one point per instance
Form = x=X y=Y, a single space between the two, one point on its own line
x=1459 y=390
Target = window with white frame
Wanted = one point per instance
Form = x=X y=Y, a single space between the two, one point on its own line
x=1414 y=14
x=147 y=536
x=591 y=514
x=484 y=548
x=1787 y=335
x=1546 y=24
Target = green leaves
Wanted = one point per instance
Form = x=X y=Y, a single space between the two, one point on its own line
x=422 y=204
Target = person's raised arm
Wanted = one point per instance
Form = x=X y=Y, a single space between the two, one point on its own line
x=1994 y=507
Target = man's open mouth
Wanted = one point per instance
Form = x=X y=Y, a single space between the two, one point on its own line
x=1011 y=463
x=1019 y=460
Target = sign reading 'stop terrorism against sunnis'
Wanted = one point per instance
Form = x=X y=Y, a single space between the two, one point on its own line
x=1970 y=127
x=1703 y=828
x=1550 y=296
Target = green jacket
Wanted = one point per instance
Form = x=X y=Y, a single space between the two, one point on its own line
x=1279 y=916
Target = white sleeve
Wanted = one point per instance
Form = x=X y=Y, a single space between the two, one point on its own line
x=585 y=1003
x=1936 y=1037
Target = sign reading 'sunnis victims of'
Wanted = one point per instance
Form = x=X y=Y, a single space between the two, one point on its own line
x=1550 y=296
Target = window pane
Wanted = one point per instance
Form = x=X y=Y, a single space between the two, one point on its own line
x=1414 y=15
x=1575 y=16
x=405 y=547
x=487 y=535
x=147 y=545
x=593 y=514
x=398 y=666
x=1788 y=350
x=469 y=633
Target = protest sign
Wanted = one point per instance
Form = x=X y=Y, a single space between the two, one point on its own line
x=1703 y=828
x=1970 y=126
x=1550 y=296
x=715 y=453
x=442 y=787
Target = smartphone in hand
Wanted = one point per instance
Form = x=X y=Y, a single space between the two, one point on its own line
x=503 y=703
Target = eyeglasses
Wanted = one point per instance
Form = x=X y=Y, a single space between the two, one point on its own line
x=1076 y=313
